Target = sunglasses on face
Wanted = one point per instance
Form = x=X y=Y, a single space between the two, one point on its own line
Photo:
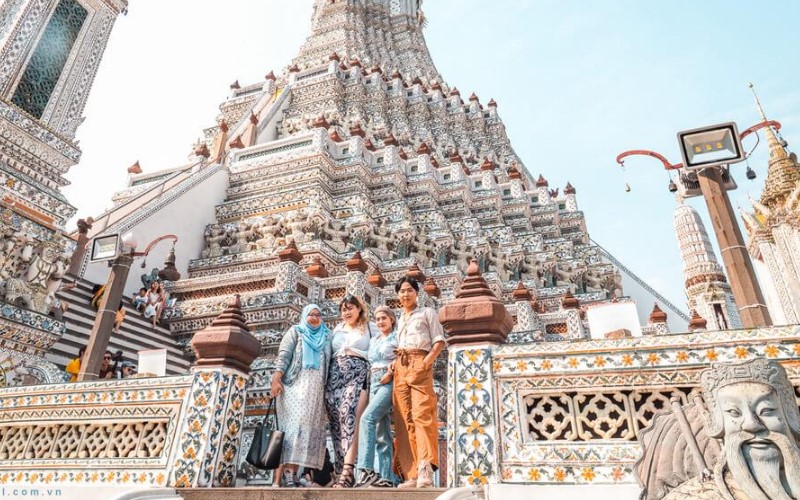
x=107 y=358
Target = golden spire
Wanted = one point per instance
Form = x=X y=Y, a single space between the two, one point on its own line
x=782 y=173
x=760 y=208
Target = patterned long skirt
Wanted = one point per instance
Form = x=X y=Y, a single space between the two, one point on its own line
x=347 y=377
x=301 y=416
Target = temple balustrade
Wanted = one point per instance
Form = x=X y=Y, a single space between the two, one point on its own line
x=179 y=431
x=571 y=412
x=172 y=431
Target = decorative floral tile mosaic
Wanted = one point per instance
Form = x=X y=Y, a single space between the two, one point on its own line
x=473 y=434
x=569 y=412
x=173 y=431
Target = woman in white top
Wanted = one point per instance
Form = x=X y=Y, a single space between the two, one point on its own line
x=346 y=392
x=155 y=302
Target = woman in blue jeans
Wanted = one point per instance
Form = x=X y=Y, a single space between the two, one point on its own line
x=375 y=433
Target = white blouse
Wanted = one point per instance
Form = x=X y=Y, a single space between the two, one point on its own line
x=352 y=341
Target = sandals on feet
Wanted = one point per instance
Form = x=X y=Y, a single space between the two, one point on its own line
x=289 y=479
x=346 y=478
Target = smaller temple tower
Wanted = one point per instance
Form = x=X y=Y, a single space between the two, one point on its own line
x=773 y=230
x=707 y=288
x=49 y=54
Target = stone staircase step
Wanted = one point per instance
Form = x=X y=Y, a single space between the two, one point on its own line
x=268 y=493
x=136 y=333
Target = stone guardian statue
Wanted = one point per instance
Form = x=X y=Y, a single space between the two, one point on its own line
x=740 y=444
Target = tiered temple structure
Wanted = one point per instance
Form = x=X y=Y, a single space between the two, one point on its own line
x=49 y=54
x=707 y=289
x=354 y=166
x=773 y=230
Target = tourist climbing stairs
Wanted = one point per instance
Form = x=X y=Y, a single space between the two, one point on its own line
x=136 y=334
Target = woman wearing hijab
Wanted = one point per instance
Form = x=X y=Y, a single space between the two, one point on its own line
x=298 y=383
x=346 y=394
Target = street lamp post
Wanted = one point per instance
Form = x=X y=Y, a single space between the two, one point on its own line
x=122 y=250
x=705 y=151
x=744 y=284
x=104 y=322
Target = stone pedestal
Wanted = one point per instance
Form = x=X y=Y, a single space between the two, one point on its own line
x=356 y=279
x=474 y=323
x=210 y=434
x=575 y=328
x=288 y=269
x=76 y=261
x=528 y=319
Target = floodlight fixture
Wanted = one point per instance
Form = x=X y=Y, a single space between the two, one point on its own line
x=712 y=146
x=105 y=247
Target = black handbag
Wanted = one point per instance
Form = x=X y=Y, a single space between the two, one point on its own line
x=265 y=452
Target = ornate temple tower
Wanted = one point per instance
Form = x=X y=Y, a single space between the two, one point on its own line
x=49 y=54
x=354 y=166
x=369 y=164
x=773 y=230
x=360 y=146
x=707 y=289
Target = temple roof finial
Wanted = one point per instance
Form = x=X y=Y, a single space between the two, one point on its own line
x=758 y=102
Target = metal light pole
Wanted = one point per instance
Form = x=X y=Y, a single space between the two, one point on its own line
x=104 y=322
x=109 y=305
x=744 y=284
x=706 y=151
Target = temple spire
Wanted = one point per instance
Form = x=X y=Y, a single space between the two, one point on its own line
x=776 y=149
x=782 y=172
x=758 y=102
x=706 y=285
x=382 y=33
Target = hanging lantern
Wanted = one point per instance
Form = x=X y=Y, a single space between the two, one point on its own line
x=750 y=173
x=627 y=188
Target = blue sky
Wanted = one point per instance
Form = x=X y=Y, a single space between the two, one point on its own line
x=577 y=82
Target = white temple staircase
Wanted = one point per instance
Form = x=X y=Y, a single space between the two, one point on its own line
x=136 y=333
x=672 y=307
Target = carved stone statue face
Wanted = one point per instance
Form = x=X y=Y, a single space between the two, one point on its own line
x=755 y=409
x=760 y=450
x=49 y=253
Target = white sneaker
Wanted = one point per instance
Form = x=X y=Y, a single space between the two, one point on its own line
x=408 y=483
x=425 y=477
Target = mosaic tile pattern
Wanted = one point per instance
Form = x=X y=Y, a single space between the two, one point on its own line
x=204 y=454
x=472 y=430
x=570 y=412
x=173 y=431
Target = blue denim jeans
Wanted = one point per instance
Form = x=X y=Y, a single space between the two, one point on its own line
x=375 y=431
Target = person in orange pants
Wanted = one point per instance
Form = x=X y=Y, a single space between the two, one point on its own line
x=420 y=340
